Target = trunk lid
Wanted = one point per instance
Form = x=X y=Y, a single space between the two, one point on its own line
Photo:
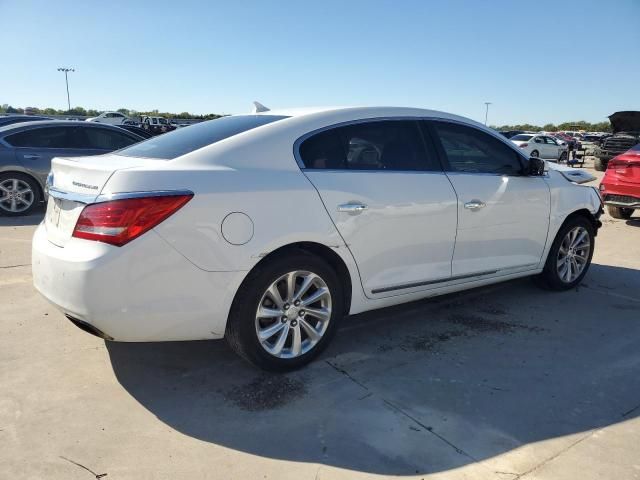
x=74 y=182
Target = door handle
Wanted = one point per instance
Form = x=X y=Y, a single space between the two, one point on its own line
x=475 y=205
x=30 y=156
x=352 y=207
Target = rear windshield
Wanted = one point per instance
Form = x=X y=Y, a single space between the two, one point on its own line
x=521 y=137
x=184 y=140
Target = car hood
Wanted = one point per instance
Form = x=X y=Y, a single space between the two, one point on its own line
x=625 y=121
x=576 y=175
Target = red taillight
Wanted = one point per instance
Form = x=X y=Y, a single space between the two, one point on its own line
x=522 y=145
x=615 y=163
x=119 y=221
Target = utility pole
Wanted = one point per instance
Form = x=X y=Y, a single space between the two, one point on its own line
x=66 y=79
x=486 y=112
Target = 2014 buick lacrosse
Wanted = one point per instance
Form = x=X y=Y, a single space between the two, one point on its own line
x=268 y=228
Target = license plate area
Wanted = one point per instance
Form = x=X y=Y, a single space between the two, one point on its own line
x=60 y=219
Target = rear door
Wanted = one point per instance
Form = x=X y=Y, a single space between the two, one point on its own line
x=503 y=215
x=389 y=199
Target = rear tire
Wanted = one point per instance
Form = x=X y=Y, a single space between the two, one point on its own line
x=570 y=255
x=19 y=194
x=255 y=296
x=535 y=153
x=620 y=212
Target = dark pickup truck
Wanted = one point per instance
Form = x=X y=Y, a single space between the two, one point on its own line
x=626 y=134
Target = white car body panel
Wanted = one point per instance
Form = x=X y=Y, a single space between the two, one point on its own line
x=177 y=281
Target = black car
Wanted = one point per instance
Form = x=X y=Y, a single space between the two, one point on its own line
x=135 y=129
x=11 y=119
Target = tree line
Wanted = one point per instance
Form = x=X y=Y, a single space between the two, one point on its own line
x=80 y=111
x=550 y=127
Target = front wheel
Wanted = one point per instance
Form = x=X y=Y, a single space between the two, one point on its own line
x=599 y=164
x=285 y=312
x=620 y=212
x=570 y=255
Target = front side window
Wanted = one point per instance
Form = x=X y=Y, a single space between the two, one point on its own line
x=185 y=140
x=377 y=145
x=470 y=150
x=48 y=137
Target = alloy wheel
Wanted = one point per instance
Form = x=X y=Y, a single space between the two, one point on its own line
x=15 y=195
x=573 y=254
x=293 y=314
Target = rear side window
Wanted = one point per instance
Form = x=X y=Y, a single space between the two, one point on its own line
x=376 y=145
x=471 y=150
x=49 y=137
x=184 y=140
x=104 y=139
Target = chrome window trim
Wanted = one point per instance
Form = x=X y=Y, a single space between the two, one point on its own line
x=298 y=142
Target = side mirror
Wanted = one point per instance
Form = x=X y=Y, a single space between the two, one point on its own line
x=536 y=167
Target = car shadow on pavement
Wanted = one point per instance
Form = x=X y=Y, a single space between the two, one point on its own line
x=33 y=219
x=415 y=389
x=634 y=222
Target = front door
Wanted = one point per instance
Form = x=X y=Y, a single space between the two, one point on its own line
x=389 y=199
x=503 y=214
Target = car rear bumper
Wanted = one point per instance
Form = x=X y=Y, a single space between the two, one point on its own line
x=620 y=193
x=144 y=291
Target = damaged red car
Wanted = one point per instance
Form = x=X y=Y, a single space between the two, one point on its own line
x=620 y=187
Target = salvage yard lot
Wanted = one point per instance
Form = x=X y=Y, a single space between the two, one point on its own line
x=502 y=382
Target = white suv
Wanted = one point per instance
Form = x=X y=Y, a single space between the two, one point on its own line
x=269 y=228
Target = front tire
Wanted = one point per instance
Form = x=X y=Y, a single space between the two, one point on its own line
x=570 y=255
x=285 y=312
x=599 y=164
x=620 y=212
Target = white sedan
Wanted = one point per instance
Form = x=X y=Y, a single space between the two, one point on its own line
x=543 y=146
x=110 y=118
x=268 y=228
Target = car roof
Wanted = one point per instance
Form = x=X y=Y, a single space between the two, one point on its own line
x=51 y=123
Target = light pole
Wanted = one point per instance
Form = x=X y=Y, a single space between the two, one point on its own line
x=66 y=79
x=486 y=112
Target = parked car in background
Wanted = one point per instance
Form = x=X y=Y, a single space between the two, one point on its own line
x=110 y=118
x=626 y=134
x=511 y=133
x=135 y=129
x=620 y=187
x=11 y=119
x=543 y=146
x=268 y=228
x=26 y=151
x=156 y=125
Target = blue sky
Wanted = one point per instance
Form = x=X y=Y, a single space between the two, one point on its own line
x=538 y=62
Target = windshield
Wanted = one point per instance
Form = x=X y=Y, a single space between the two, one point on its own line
x=185 y=140
x=522 y=137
